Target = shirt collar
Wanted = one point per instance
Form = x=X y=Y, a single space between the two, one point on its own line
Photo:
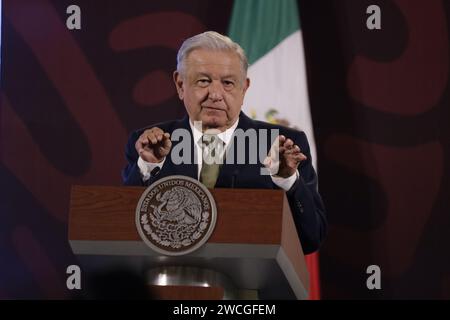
x=225 y=136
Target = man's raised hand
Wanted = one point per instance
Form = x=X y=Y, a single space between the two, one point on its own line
x=284 y=157
x=290 y=157
x=153 y=145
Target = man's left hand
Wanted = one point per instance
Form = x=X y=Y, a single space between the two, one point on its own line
x=290 y=157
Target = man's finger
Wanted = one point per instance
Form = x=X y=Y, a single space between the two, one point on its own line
x=288 y=143
x=167 y=143
x=143 y=152
x=143 y=138
x=141 y=143
x=290 y=153
x=151 y=138
x=154 y=130
x=300 y=157
x=293 y=150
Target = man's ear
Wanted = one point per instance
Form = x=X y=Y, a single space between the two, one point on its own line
x=246 y=85
x=178 y=80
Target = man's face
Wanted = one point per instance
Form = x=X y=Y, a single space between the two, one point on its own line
x=212 y=87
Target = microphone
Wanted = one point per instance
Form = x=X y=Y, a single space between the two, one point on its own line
x=233 y=178
x=155 y=171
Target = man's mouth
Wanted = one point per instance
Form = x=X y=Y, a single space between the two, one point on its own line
x=213 y=108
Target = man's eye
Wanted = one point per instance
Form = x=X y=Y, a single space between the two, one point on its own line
x=203 y=82
x=228 y=83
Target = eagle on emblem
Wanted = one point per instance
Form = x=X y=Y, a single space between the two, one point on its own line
x=178 y=205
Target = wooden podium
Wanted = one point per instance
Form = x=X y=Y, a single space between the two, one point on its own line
x=255 y=242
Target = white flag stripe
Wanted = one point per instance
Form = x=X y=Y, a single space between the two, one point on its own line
x=278 y=81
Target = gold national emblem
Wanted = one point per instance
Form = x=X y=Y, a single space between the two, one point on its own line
x=176 y=215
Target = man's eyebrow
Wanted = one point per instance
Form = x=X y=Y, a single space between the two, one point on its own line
x=227 y=76
x=230 y=76
x=202 y=74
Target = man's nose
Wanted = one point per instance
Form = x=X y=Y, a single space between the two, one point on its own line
x=215 y=91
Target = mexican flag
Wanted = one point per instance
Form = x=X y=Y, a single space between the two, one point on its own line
x=269 y=32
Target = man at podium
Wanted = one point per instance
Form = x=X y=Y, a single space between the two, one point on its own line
x=218 y=144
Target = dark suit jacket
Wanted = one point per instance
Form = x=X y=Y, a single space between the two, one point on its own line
x=304 y=199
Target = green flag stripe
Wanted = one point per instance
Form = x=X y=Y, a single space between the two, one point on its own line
x=259 y=25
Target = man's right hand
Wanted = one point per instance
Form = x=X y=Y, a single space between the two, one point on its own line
x=153 y=145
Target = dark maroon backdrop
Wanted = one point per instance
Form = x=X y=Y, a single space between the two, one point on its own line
x=379 y=101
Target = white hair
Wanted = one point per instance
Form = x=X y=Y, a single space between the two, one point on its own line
x=213 y=41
